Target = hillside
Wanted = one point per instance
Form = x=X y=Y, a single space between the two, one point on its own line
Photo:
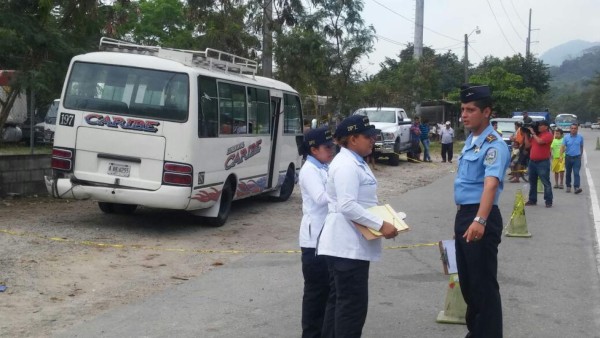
x=566 y=51
x=578 y=69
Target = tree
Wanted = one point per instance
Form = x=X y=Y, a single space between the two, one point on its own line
x=507 y=89
x=348 y=40
x=32 y=44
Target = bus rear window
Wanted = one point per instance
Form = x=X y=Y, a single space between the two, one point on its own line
x=128 y=91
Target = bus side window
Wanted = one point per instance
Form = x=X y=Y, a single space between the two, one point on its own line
x=233 y=113
x=292 y=114
x=208 y=118
x=260 y=115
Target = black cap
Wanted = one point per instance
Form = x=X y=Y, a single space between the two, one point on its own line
x=472 y=92
x=317 y=137
x=355 y=124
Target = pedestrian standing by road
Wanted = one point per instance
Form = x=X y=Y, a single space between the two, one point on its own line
x=558 y=160
x=415 y=140
x=539 y=162
x=447 y=140
x=573 y=149
x=352 y=188
x=526 y=118
x=319 y=150
x=424 y=127
x=478 y=224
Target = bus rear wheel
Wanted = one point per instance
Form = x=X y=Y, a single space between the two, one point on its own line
x=117 y=208
x=224 y=207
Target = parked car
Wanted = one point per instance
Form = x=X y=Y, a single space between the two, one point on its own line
x=595 y=126
x=395 y=130
x=507 y=127
x=38 y=132
x=50 y=122
x=587 y=125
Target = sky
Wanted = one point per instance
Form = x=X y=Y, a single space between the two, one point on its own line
x=502 y=24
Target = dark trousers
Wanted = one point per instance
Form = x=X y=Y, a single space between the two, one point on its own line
x=573 y=164
x=348 y=297
x=540 y=169
x=477 y=263
x=447 y=149
x=316 y=292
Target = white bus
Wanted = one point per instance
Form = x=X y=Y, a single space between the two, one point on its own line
x=173 y=129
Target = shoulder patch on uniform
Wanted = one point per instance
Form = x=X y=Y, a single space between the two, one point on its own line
x=490 y=138
x=490 y=156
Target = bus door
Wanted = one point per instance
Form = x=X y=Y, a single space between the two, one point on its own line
x=276 y=102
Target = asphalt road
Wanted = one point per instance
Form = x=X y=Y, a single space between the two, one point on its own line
x=549 y=283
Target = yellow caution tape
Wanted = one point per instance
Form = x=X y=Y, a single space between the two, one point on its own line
x=196 y=251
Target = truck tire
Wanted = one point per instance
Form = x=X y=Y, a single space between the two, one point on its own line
x=394 y=160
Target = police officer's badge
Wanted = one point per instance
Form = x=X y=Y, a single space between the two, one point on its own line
x=490 y=156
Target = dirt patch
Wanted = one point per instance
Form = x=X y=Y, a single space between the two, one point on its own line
x=64 y=262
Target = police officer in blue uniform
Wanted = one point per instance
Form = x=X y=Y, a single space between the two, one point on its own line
x=478 y=224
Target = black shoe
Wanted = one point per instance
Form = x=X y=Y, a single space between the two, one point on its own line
x=578 y=190
x=548 y=205
x=530 y=203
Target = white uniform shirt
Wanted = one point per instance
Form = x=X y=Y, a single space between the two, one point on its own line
x=313 y=178
x=351 y=188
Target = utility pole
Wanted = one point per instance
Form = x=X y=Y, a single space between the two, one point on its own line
x=466 y=58
x=418 y=46
x=267 y=54
x=528 y=43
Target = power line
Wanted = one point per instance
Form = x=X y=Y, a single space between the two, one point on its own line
x=476 y=52
x=386 y=39
x=517 y=13
x=510 y=21
x=412 y=21
x=499 y=26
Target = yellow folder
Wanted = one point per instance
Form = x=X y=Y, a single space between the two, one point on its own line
x=388 y=214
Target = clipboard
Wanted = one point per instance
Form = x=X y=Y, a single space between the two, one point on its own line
x=448 y=256
x=388 y=214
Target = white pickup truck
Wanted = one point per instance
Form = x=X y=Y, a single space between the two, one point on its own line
x=395 y=131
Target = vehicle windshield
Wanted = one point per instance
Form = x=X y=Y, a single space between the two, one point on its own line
x=506 y=127
x=565 y=119
x=51 y=113
x=128 y=91
x=385 y=116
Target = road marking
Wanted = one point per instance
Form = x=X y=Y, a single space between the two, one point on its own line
x=595 y=209
x=194 y=251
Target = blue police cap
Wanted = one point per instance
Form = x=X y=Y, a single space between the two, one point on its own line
x=355 y=124
x=471 y=92
x=317 y=137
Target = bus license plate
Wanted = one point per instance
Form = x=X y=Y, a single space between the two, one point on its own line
x=118 y=169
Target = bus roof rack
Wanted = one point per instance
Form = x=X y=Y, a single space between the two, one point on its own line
x=209 y=58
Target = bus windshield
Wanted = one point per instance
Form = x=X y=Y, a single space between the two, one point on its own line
x=128 y=91
x=566 y=119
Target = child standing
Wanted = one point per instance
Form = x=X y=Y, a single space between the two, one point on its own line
x=558 y=161
x=319 y=151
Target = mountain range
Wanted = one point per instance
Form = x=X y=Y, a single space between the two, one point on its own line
x=567 y=51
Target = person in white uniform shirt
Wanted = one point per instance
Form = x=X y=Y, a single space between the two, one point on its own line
x=351 y=188
x=319 y=150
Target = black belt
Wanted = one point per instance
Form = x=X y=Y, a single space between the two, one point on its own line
x=466 y=206
x=574 y=156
